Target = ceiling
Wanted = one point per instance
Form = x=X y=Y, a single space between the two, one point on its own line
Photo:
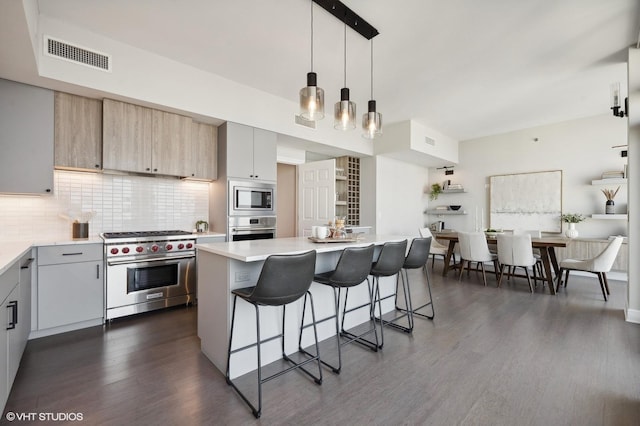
x=467 y=68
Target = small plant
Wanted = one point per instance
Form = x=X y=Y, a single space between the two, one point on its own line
x=610 y=193
x=436 y=189
x=573 y=218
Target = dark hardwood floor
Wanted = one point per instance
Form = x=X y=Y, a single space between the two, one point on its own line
x=491 y=357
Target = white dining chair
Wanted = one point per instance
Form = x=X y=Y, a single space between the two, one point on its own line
x=599 y=265
x=515 y=251
x=534 y=233
x=437 y=249
x=474 y=248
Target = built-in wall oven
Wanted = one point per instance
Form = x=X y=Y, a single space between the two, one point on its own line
x=148 y=270
x=242 y=228
x=252 y=198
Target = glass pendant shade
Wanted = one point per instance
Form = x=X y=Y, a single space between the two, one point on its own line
x=344 y=112
x=372 y=122
x=311 y=100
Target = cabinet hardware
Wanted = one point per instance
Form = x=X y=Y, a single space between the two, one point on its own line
x=27 y=263
x=98 y=271
x=14 y=314
x=72 y=254
x=47 y=190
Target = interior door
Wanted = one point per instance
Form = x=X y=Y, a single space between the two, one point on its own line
x=316 y=195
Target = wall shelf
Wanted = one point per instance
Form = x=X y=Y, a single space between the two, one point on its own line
x=446 y=212
x=612 y=181
x=453 y=191
x=609 y=216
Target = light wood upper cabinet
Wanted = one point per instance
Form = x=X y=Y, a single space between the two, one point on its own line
x=205 y=151
x=126 y=137
x=77 y=132
x=171 y=153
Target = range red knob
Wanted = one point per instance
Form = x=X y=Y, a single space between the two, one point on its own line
x=180 y=246
x=139 y=249
x=154 y=248
x=168 y=247
x=125 y=250
x=114 y=251
x=189 y=245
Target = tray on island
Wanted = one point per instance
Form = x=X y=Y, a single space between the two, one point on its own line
x=333 y=240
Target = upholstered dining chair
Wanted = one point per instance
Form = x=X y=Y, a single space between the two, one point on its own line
x=599 y=265
x=534 y=233
x=437 y=249
x=474 y=248
x=514 y=250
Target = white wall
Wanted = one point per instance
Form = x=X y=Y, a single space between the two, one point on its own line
x=397 y=196
x=582 y=149
x=633 y=296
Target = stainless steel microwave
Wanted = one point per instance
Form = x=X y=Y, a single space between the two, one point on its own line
x=249 y=197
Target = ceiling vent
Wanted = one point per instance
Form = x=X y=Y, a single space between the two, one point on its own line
x=429 y=141
x=306 y=123
x=77 y=54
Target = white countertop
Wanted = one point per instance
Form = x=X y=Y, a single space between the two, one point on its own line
x=10 y=252
x=256 y=250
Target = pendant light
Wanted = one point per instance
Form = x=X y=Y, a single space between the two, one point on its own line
x=311 y=96
x=345 y=110
x=371 y=120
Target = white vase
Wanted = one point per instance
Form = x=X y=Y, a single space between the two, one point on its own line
x=571 y=232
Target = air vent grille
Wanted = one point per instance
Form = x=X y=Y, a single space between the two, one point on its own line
x=429 y=141
x=306 y=123
x=77 y=54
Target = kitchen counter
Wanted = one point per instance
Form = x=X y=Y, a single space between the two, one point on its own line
x=11 y=252
x=224 y=267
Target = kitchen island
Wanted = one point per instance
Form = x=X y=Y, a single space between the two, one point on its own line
x=223 y=267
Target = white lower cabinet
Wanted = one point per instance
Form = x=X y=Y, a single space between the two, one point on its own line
x=14 y=326
x=70 y=288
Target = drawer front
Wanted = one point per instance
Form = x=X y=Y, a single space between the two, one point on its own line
x=9 y=280
x=72 y=253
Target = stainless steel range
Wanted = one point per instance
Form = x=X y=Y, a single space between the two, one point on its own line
x=148 y=270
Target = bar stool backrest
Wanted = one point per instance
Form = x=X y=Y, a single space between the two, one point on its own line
x=391 y=259
x=284 y=278
x=418 y=253
x=353 y=267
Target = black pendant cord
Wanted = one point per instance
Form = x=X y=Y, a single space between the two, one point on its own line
x=371 y=42
x=345 y=51
x=311 y=36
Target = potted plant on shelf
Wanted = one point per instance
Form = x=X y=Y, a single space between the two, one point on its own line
x=572 y=219
x=436 y=189
x=610 y=194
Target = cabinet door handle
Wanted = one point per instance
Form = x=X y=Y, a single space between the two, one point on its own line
x=98 y=271
x=14 y=314
x=73 y=254
x=27 y=263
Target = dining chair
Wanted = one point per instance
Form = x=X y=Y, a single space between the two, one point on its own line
x=474 y=248
x=437 y=249
x=539 y=267
x=599 y=265
x=514 y=250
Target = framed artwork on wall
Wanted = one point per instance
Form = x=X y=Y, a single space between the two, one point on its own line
x=527 y=201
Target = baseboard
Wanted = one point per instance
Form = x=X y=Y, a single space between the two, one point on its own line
x=632 y=315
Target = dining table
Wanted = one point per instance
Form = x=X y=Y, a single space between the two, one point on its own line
x=545 y=244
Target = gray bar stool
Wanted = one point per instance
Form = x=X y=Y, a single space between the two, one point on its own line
x=283 y=280
x=351 y=270
x=389 y=263
x=417 y=257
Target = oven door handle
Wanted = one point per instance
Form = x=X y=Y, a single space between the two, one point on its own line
x=251 y=229
x=164 y=259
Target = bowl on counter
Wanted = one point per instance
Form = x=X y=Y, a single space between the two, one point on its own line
x=455 y=208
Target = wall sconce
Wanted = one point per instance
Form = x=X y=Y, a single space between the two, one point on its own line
x=448 y=170
x=615 y=101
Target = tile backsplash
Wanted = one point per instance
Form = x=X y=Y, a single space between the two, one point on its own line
x=114 y=203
